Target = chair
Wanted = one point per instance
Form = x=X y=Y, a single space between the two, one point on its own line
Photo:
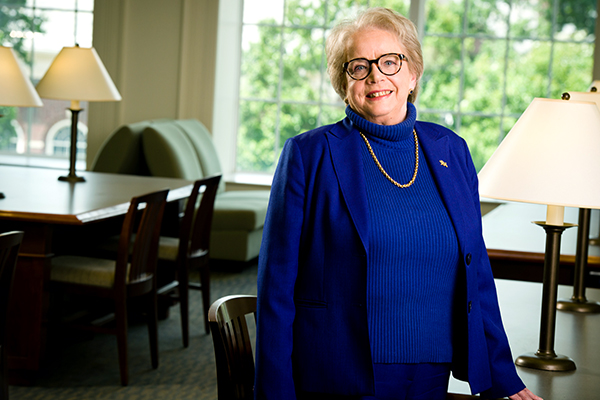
x=9 y=249
x=130 y=275
x=190 y=251
x=233 y=346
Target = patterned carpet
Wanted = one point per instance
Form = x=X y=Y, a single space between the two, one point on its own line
x=88 y=368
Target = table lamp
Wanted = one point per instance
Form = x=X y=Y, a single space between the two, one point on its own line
x=578 y=302
x=549 y=157
x=594 y=87
x=77 y=74
x=16 y=89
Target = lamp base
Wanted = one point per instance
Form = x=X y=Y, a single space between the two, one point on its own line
x=546 y=362
x=71 y=178
x=576 y=305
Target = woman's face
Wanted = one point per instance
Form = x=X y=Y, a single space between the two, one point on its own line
x=379 y=98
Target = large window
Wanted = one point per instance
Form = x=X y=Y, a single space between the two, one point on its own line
x=484 y=62
x=37 y=30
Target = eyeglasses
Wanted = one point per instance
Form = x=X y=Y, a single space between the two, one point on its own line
x=389 y=64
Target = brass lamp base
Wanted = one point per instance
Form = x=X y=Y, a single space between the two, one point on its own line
x=547 y=362
x=582 y=306
x=71 y=178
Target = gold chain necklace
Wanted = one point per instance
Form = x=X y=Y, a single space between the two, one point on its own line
x=383 y=170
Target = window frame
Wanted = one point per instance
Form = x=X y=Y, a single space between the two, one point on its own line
x=227 y=82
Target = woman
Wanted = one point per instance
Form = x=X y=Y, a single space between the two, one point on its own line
x=374 y=280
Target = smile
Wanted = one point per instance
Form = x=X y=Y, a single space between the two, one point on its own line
x=379 y=94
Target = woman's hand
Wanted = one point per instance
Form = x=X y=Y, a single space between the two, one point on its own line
x=524 y=394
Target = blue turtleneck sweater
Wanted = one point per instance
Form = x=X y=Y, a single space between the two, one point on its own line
x=413 y=250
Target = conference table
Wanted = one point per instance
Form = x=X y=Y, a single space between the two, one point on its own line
x=576 y=337
x=516 y=246
x=59 y=217
x=516 y=249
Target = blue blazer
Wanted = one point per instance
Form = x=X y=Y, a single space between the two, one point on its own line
x=312 y=332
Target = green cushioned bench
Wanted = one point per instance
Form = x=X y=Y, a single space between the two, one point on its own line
x=184 y=149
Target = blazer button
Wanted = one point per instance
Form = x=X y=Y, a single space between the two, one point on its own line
x=468 y=258
x=470 y=306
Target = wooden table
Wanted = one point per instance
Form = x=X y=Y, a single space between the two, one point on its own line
x=576 y=337
x=53 y=215
x=516 y=246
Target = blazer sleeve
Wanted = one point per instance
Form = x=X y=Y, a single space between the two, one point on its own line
x=277 y=272
x=505 y=381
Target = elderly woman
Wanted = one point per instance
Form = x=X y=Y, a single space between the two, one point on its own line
x=374 y=280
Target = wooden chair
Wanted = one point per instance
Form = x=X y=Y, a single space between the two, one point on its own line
x=130 y=275
x=190 y=251
x=9 y=250
x=233 y=346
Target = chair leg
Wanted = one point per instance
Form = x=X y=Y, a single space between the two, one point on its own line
x=205 y=282
x=184 y=306
x=3 y=373
x=121 y=322
x=153 y=328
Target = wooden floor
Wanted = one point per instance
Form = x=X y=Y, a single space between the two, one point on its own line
x=577 y=336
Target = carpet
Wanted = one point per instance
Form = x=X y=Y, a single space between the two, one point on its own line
x=87 y=367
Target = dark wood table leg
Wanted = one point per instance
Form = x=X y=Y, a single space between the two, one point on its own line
x=27 y=316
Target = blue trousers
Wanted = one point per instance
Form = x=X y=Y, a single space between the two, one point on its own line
x=401 y=382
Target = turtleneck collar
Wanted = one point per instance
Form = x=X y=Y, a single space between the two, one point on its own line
x=398 y=132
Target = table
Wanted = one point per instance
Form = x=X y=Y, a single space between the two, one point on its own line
x=576 y=337
x=52 y=213
x=516 y=246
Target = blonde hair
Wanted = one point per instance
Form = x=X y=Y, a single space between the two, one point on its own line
x=373 y=18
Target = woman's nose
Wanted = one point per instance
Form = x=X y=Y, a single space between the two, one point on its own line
x=375 y=75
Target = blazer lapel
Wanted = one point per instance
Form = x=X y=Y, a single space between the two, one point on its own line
x=345 y=155
x=437 y=153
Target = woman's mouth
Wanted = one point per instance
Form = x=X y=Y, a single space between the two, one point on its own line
x=379 y=94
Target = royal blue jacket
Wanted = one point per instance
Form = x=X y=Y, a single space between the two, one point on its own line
x=312 y=332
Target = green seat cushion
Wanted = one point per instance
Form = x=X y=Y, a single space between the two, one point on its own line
x=169 y=152
x=204 y=147
x=83 y=271
x=122 y=152
x=240 y=210
x=168 y=247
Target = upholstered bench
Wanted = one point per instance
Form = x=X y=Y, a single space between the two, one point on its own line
x=184 y=149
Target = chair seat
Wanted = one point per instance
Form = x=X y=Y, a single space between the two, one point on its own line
x=168 y=248
x=240 y=210
x=83 y=271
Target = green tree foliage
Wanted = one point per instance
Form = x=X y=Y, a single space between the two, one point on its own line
x=482 y=69
x=13 y=18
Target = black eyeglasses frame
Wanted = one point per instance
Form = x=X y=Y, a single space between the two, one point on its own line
x=376 y=61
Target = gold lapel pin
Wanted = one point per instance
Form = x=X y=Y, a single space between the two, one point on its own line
x=443 y=163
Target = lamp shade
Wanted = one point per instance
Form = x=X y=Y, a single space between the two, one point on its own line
x=15 y=88
x=592 y=97
x=77 y=73
x=551 y=156
x=594 y=87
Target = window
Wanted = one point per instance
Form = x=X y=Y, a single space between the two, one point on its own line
x=486 y=60
x=484 y=63
x=38 y=30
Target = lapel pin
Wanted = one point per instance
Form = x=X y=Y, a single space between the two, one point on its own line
x=443 y=163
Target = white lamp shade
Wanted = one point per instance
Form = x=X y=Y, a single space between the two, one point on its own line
x=594 y=87
x=78 y=74
x=592 y=97
x=551 y=156
x=15 y=88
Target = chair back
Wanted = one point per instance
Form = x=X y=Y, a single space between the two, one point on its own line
x=194 y=242
x=148 y=209
x=9 y=250
x=233 y=346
